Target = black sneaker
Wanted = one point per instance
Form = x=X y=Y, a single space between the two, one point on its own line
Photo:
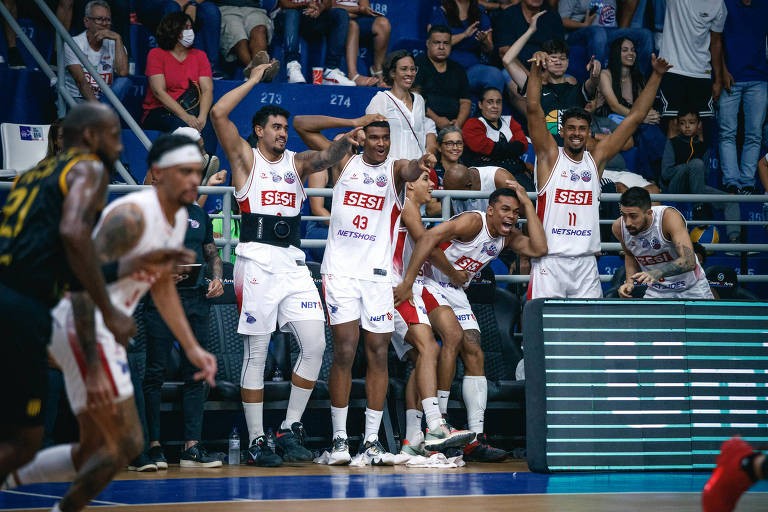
x=157 y=456
x=732 y=189
x=481 y=451
x=746 y=191
x=142 y=463
x=290 y=444
x=196 y=457
x=260 y=454
x=14 y=59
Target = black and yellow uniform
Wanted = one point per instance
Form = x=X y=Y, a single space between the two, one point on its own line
x=34 y=272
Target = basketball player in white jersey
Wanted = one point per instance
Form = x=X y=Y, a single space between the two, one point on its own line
x=469 y=242
x=138 y=223
x=658 y=252
x=568 y=182
x=272 y=281
x=413 y=336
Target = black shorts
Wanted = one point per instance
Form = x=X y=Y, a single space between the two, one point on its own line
x=678 y=91
x=25 y=330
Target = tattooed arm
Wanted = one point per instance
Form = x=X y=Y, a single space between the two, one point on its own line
x=308 y=162
x=673 y=227
x=212 y=258
x=85 y=195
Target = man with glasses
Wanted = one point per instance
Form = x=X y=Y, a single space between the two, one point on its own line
x=442 y=81
x=105 y=51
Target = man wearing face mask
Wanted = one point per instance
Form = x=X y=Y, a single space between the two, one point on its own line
x=180 y=89
x=105 y=51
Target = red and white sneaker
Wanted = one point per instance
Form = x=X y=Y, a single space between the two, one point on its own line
x=336 y=77
x=481 y=451
x=729 y=480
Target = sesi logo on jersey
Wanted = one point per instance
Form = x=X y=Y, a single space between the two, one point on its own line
x=577 y=197
x=361 y=200
x=468 y=264
x=277 y=198
x=654 y=259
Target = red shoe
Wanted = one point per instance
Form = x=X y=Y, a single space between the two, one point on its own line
x=481 y=451
x=729 y=481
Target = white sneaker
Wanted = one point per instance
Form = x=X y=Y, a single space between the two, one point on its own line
x=340 y=452
x=336 y=77
x=376 y=453
x=295 y=75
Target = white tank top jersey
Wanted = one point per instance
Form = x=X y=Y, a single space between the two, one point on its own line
x=568 y=206
x=126 y=292
x=365 y=215
x=650 y=248
x=273 y=188
x=487 y=184
x=471 y=256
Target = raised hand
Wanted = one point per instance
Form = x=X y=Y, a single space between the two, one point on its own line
x=427 y=162
x=534 y=19
x=353 y=137
x=539 y=59
x=471 y=29
x=659 y=65
x=594 y=66
x=368 y=119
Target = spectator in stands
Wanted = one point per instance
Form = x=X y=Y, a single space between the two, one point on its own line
x=559 y=93
x=246 y=30
x=193 y=293
x=684 y=171
x=105 y=51
x=745 y=80
x=205 y=16
x=312 y=19
x=451 y=148
x=412 y=133
x=180 y=88
x=55 y=138
x=514 y=21
x=620 y=85
x=496 y=140
x=594 y=24
x=442 y=81
x=471 y=41
x=365 y=24
x=692 y=43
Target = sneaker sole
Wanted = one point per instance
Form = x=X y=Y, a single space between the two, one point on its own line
x=454 y=441
x=148 y=468
x=194 y=464
x=341 y=460
x=161 y=465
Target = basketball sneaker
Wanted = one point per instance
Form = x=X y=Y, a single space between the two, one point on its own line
x=480 y=451
x=142 y=463
x=444 y=436
x=340 y=452
x=729 y=480
x=374 y=450
x=290 y=444
x=157 y=456
x=260 y=454
x=197 y=457
x=416 y=447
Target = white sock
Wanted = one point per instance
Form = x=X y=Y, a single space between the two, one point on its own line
x=339 y=421
x=53 y=464
x=431 y=412
x=254 y=418
x=297 y=402
x=412 y=423
x=475 y=392
x=372 y=423
x=442 y=400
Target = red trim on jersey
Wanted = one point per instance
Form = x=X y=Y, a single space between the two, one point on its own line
x=529 y=295
x=325 y=299
x=565 y=154
x=76 y=349
x=408 y=312
x=269 y=161
x=397 y=260
x=444 y=246
x=244 y=206
x=300 y=179
x=541 y=205
x=393 y=217
x=107 y=369
x=551 y=173
x=430 y=302
x=238 y=283
x=344 y=169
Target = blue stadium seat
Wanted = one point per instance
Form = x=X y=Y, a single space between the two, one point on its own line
x=134 y=155
x=42 y=38
x=141 y=42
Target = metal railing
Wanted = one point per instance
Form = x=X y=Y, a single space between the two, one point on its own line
x=58 y=80
x=226 y=242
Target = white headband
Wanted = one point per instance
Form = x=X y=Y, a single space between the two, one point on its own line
x=187 y=154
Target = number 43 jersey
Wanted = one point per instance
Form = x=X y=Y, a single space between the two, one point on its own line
x=365 y=215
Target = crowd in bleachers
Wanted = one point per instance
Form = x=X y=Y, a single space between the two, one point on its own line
x=456 y=86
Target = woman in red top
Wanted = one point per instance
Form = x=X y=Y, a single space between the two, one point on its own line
x=170 y=69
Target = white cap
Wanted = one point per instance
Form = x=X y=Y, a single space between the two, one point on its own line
x=188 y=131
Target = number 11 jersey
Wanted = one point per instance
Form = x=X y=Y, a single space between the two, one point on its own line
x=365 y=215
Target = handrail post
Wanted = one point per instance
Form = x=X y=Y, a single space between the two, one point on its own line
x=60 y=106
x=226 y=230
x=446 y=207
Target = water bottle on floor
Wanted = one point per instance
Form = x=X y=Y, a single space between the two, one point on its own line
x=234 y=448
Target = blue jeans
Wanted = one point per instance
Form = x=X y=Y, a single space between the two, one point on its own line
x=208 y=30
x=332 y=24
x=481 y=76
x=755 y=97
x=598 y=41
x=659 y=8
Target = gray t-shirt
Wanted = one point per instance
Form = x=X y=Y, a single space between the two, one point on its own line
x=685 y=41
x=577 y=11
